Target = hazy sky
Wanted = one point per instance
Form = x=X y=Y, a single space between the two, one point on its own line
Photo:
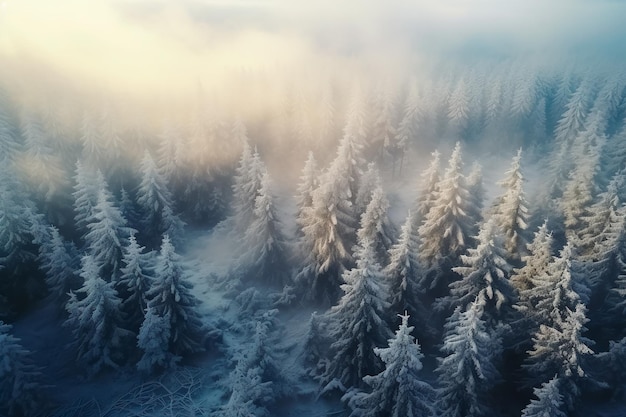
x=172 y=45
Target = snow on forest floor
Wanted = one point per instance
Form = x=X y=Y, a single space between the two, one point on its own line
x=201 y=384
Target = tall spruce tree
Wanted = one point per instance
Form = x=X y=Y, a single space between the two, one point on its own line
x=510 y=211
x=22 y=392
x=95 y=321
x=171 y=296
x=398 y=391
x=156 y=205
x=356 y=325
x=468 y=370
x=445 y=232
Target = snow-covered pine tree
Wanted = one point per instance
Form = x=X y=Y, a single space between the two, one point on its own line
x=445 y=231
x=536 y=261
x=383 y=130
x=477 y=192
x=21 y=389
x=9 y=145
x=370 y=181
x=259 y=363
x=468 y=370
x=331 y=222
x=246 y=187
x=407 y=129
x=107 y=234
x=153 y=339
x=405 y=275
x=613 y=156
x=95 y=320
x=266 y=257
x=156 y=205
x=309 y=181
x=129 y=209
x=549 y=402
x=19 y=281
x=376 y=227
x=568 y=127
x=56 y=259
x=133 y=283
x=602 y=227
x=573 y=119
x=248 y=392
x=171 y=155
x=458 y=107
x=559 y=290
x=484 y=276
x=171 y=296
x=510 y=210
x=398 y=391
x=563 y=351
x=87 y=185
x=428 y=190
x=91 y=139
x=39 y=165
x=327 y=117
x=356 y=325
x=581 y=188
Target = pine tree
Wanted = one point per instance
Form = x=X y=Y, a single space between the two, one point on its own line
x=91 y=139
x=429 y=189
x=484 y=275
x=106 y=236
x=258 y=380
x=19 y=280
x=134 y=281
x=445 y=232
x=468 y=371
x=171 y=296
x=539 y=256
x=581 y=188
x=309 y=181
x=560 y=289
x=355 y=325
x=376 y=227
x=39 y=165
x=383 y=130
x=458 y=106
x=477 y=192
x=407 y=129
x=370 y=181
x=510 y=210
x=549 y=402
x=21 y=390
x=604 y=223
x=246 y=187
x=267 y=246
x=57 y=262
x=331 y=222
x=563 y=351
x=9 y=145
x=129 y=209
x=156 y=205
x=573 y=118
x=86 y=189
x=397 y=391
x=404 y=274
x=94 y=318
x=153 y=339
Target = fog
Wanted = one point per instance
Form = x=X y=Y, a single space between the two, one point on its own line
x=151 y=66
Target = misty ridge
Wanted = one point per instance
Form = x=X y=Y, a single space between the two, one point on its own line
x=262 y=208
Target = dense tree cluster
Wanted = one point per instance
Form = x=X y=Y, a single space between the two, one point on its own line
x=525 y=292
